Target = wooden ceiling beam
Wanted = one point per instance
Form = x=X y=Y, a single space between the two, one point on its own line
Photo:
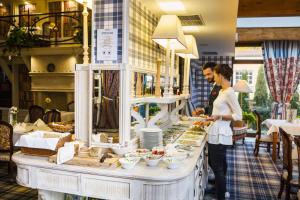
x=261 y=34
x=268 y=8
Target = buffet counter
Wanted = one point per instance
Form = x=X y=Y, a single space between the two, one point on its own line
x=187 y=182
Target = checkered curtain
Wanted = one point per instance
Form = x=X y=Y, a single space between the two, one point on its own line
x=282 y=68
x=199 y=87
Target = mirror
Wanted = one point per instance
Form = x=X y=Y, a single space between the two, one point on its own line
x=106 y=106
x=143 y=84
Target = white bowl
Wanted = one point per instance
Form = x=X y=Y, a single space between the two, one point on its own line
x=153 y=160
x=172 y=162
x=121 y=151
x=128 y=163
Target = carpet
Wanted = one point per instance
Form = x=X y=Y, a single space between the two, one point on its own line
x=250 y=177
x=11 y=190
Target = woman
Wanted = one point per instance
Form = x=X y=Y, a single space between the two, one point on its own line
x=225 y=109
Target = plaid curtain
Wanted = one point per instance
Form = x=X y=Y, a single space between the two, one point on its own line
x=282 y=68
x=199 y=87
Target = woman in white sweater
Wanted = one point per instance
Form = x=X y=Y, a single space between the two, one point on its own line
x=226 y=108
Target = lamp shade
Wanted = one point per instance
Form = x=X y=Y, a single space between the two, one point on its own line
x=89 y=3
x=169 y=30
x=191 y=51
x=242 y=86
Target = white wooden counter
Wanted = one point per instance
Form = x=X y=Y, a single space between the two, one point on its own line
x=140 y=183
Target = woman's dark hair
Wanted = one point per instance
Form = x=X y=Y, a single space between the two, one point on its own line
x=225 y=70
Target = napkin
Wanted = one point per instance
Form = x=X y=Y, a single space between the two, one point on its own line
x=65 y=154
x=39 y=123
x=22 y=128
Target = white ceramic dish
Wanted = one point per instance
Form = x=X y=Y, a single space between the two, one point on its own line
x=172 y=162
x=121 y=151
x=129 y=163
x=152 y=160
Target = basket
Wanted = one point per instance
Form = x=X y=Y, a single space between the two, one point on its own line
x=61 y=127
x=46 y=152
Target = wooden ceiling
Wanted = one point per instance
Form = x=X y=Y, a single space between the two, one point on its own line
x=268 y=8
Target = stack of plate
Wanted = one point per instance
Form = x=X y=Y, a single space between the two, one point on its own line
x=151 y=137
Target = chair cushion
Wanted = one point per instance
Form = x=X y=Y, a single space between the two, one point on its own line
x=4 y=156
x=239 y=130
x=266 y=138
x=298 y=194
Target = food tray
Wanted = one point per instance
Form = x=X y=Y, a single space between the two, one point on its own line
x=46 y=152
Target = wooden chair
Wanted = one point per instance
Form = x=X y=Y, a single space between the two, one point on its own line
x=289 y=177
x=265 y=140
x=6 y=144
x=297 y=142
x=52 y=116
x=35 y=112
x=70 y=106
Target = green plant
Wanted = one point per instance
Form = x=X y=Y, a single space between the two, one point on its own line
x=249 y=118
x=261 y=93
x=153 y=109
x=21 y=37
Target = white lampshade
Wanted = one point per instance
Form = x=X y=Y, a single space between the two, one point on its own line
x=169 y=30
x=89 y=3
x=191 y=51
x=242 y=86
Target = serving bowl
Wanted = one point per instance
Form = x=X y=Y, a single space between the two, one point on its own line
x=121 y=151
x=152 y=160
x=129 y=162
x=171 y=161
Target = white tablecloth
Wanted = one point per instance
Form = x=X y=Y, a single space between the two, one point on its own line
x=292 y=128
x=30 y=127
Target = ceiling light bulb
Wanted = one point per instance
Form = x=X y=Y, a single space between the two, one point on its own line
x=171 y=6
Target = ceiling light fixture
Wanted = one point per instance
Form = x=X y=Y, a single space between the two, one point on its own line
x=190 y=29
x=169 y=34
x=171 y=6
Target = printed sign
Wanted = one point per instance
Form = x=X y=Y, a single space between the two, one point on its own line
x=107 y=44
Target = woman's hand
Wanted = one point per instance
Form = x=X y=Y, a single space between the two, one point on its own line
x=215 y=118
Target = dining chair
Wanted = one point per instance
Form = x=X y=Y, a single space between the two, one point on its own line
x=52 y=116
x=297 y=142
x=289 y=176
x=6 y=144
x=239 y=131
x=263 y=140
x=35 y=112
x=70 y=106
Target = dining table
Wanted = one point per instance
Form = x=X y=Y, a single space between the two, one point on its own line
x=290 y=127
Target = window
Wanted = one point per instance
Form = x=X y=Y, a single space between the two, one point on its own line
x=239 y=74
